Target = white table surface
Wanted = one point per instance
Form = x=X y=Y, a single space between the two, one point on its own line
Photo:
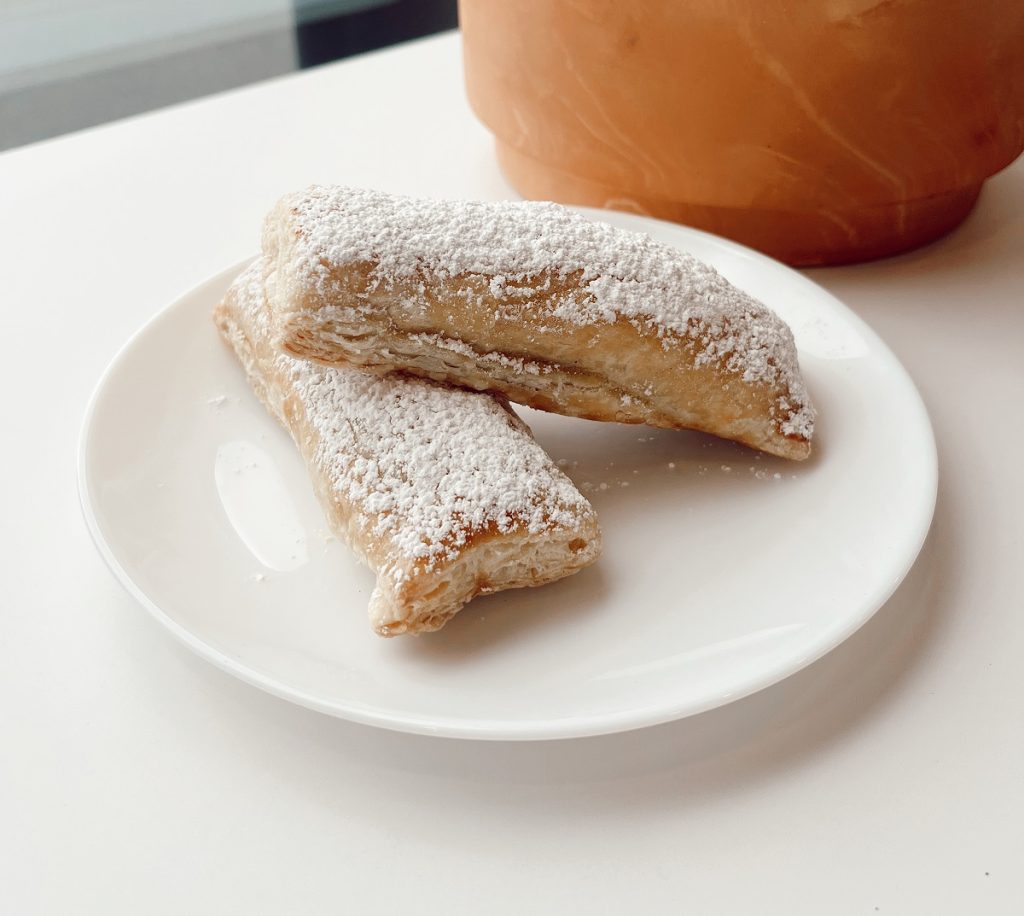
x=137 y=778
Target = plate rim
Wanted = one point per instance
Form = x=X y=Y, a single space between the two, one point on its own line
x=521 y=729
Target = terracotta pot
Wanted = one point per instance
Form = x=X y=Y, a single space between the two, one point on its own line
x=819 y=131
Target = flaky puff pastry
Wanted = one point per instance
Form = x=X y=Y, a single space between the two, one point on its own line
x=536 y=302
x=443 y=492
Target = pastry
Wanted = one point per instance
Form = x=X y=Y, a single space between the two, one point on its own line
x=536 y=302
x=443 y=492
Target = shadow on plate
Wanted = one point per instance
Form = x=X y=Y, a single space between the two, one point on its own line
x=625 y=471
x=500 y=619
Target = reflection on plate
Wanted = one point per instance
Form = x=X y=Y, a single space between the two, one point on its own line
x=724 y=570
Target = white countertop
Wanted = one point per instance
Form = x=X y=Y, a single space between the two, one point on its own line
x=137 y=778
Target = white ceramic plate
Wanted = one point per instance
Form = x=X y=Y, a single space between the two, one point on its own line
x=723 y=570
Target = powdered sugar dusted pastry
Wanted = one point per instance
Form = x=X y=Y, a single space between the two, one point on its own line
x=536 y=302
x=443 y=492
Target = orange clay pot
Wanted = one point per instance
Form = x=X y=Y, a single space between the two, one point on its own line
x=819 y=131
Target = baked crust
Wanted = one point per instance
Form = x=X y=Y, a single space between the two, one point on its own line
x=443 y=492
x=537 y=303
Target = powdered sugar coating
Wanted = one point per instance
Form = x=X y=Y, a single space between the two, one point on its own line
x=621 y=275
x=428 y=466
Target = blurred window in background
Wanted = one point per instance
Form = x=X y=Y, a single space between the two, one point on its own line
x=69 y=64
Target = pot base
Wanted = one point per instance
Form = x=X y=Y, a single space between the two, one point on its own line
x=800 y=238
